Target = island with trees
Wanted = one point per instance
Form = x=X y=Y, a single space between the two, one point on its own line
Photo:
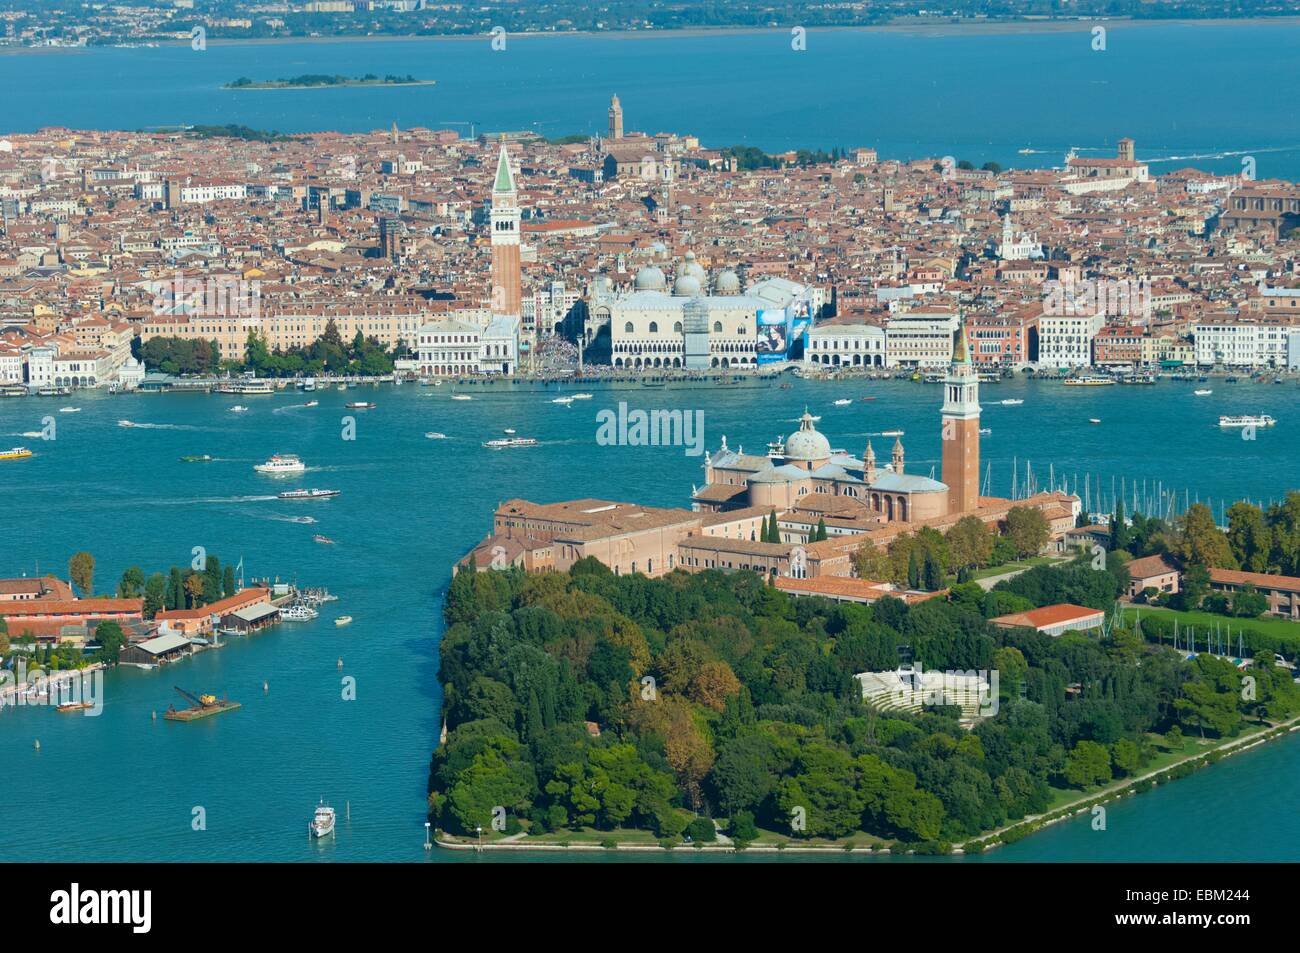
x=592 y=710
x=327 y=81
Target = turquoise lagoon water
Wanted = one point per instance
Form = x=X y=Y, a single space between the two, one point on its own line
x=123 y=786
x=1198 y=94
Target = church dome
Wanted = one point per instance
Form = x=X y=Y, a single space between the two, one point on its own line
x=806 y=443
x=650 y=278
x=691 y=267
x=727 y=283
x=686 y=286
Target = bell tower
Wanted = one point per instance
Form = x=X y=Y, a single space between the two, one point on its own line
x=506 y=293
x=961 y=429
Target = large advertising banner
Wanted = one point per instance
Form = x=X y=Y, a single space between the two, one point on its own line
x=773 y=335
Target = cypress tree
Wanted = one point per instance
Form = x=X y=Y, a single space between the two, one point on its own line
x=821 y=531
x=933 y=573
x=913 y=571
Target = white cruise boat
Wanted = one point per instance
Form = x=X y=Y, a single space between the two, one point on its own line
x=1087 y=382
x=502 y=443
x=282 y=463
x=1246 y=420
x=322 y=824
x=312 y=494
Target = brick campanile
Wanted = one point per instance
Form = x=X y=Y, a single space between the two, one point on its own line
x=506 y=295
x=961 y=429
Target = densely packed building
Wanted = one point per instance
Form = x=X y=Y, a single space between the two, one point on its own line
x=650 y=250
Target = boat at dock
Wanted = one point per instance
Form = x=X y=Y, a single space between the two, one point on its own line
x=312 y=494
x=322 y=822
x=1246 y=420
x=15 y=453
x=1087 y=382
x=282 y=463
x=246 y=387
x=500 y=444
x=298 y=612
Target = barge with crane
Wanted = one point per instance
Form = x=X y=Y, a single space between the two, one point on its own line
x=201 y=706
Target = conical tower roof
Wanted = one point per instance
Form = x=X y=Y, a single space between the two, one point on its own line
x=505 y=180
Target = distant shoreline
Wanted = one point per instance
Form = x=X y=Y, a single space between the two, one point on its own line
x=351 y=84
x=935 y=29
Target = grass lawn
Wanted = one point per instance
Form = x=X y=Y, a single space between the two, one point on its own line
x=1029 y=563
x=1210 y=620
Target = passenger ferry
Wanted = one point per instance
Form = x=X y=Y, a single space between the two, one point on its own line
x=15 y=453
x=322 y=824
x=282 y=463
x=312 y=494
x=501 y=443
x=1087 y=382
x=1246 y=420
x=246 y=387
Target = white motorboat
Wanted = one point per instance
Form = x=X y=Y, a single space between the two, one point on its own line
x=435 y=435
x=1203 y=392
x=282 y=463
x=461 y=397
x=238 y=409
x=1012 y=402
x=582 y=396
x=125 y=423
x=563 y=400
x=312 y=403
x=298 y=612
x=322 y=824
x=1094 y=420
x=843 y=402
x=500 y=444
x=69 y=410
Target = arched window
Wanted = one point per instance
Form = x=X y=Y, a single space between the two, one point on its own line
x=677 y=326
x=627 y=328
x=654 y=327
x=740 y=330
x=717 y=327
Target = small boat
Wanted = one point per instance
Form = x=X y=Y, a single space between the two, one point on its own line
x=343 y=387
x=509 y=430
x=32 y=435
x=562 y=400
x=891 y=433
x=1011 y=402
x=322 y=823
x=343 y=620
x=866 y=398
x=510 y=442
x=1231 y=380
x=69 y=410
x=434 y=435
x=1247 y=420
x=461 y=397
x=843 y=402
x=197 y=458
x=125 y=423
x=359 y=405
x=238 y=409
x=985 y=431
x=15 y=453
x=1203 y=392
x=322 y=539
x=312 y=494
x=582 y=396
x=73 y=706
x=1094 y=420
x=282 y=463
x=312 y=403
x=302 y=519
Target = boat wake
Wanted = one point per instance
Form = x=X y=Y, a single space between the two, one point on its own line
x=135 y=425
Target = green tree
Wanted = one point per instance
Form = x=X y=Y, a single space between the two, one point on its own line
x=155 y=595
x=1249 y=537
x=970 y=542
x=110 y=637
x=1088 y=764
x=131 y=584
x=1027 y=529
x=1200 y=541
